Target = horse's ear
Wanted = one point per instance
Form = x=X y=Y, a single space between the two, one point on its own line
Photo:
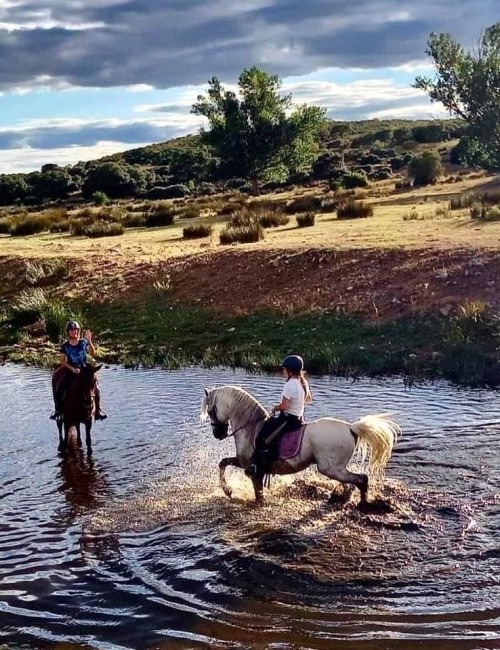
x=96 y=368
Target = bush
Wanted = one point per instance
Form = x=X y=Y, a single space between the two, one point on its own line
x=161 y=215
x=79 y=228
x=134 y=220
x=196 y=231
x=100 y=198
x=354 y=179
x=170 y=192
x=463 y=201
x=4 y=226
x=60 y=226
x=29 y=224
x=425 y=169
x=273 y=220
x=354 y=210
x=305 y=220
x=242 y=234
x=100 y=229
x=189 y=212
x=303 y=204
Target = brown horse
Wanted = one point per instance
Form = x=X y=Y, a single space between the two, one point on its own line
x=79 y=404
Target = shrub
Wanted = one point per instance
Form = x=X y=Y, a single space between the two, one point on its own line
x=79 y=228
x=190 y=212
x=60 y=226
x=100 y=229
x=493 y=214
x=4 y=226
x=463 y=201
x=354 y=179
x=29 y=224
x=100 y=198
x=354 y=210
x=197 y=230
x=425 y=169
x=170 y=192
x=305 y=220
x=161 y=215
x=134 y=220
x=273 y=220
x=242 y=234
x=303 y=204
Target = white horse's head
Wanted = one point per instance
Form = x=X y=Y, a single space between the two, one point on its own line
x=215 y=407
x=229 y=404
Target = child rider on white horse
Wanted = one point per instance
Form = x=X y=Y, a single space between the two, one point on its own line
x=288 y=415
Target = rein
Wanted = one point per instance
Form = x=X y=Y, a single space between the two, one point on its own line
x=229 y=435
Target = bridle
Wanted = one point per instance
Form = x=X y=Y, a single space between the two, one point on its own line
x=220 y=429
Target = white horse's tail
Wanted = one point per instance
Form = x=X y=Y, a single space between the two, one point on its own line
x=377 y=435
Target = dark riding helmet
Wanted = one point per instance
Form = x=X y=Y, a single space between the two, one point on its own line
x=293 y=362
x=72 y=325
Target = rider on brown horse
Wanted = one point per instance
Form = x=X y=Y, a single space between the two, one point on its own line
x=73 y=359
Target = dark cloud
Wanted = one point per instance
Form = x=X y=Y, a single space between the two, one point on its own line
x=117 y=42
x=55 y=137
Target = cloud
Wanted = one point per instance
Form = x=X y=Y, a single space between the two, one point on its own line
x=104 y=43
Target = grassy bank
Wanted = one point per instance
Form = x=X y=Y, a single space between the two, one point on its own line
x=155 y=332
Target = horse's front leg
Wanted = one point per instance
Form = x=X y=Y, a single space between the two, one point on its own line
x=78 y=434
x=234 y=462
x=61 y=438
x=88 y=436
x=258 y=488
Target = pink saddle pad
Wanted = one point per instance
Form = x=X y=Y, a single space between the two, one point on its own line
x=291 y=443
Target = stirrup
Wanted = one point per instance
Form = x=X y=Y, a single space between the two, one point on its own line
x=252 y=470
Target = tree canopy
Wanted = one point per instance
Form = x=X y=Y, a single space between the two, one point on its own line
x=467 y=83
x=257 y=133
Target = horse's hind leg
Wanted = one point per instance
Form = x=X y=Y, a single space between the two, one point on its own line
x=61 y=438
x=234 y=462
x=78 y=435
x=88 y=436
x=343 y=475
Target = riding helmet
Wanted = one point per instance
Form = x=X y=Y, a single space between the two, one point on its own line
x=72 y=325
x=293 y=362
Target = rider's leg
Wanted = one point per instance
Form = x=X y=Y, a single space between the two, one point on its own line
x=262 y=456
x=99 y=413
x=58 y=394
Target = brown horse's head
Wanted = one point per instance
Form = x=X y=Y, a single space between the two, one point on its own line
x=79 y=402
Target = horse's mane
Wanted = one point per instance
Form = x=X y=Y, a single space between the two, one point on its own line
x=246 y=403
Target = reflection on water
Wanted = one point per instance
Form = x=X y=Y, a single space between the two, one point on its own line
x=136 y=546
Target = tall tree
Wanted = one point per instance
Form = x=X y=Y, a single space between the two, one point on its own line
x=467 y=83
x=256 y=132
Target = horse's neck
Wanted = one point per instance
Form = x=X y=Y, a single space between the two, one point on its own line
x=247 y=416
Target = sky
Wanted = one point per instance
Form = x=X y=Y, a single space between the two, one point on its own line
x=80 y=79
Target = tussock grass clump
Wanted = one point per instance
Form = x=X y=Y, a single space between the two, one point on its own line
x=303 y=204
x=354 y=210
x=134 y=220
x=462 y=201
x=189 y=212
x=29 y=224
x=60 y=226
x=4 y=226
x=354 y=179
x=79 y=227
x=197 y=231
x=101 y=229
x=245 y=234
x=273 y=220
x=36 y=304
x=305 y=220
x=160 y=215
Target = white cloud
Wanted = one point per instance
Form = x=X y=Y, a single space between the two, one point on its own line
x=26 y=159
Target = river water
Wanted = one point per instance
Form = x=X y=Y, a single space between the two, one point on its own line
x=136 y=547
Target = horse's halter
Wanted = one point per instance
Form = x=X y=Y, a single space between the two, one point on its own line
x=219 y=429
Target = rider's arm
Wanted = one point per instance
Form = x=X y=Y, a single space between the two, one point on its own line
x=283 y=405
x=63 y=360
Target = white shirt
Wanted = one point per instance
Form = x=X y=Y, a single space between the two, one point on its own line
x=294 y=393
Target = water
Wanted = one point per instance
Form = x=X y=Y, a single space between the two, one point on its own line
x=135 y=547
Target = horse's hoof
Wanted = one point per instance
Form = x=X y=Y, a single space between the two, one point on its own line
x=227 y=492
x=377 y=505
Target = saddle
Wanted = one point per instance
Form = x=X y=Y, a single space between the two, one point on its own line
x=290 y=443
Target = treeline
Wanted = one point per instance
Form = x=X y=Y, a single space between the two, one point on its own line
x=176 y=168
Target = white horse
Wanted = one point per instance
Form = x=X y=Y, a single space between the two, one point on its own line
x=328 y=442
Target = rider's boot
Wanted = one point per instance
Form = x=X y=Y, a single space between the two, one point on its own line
x=99 y=413
x=259 y=463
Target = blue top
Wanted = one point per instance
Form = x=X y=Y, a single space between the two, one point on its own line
x=76 y=354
